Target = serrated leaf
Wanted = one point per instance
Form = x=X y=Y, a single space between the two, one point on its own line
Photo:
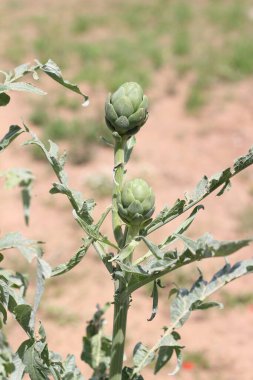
x=57 y=161
x=14 y=131
x=53 y=70
x=189 y=300
x=85 y=207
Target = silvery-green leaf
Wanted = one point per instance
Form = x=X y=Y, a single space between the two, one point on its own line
x=142 y=356
x=129 y=148
x=183 y=227
x=66 y=267
x=53 y=70
x=23 y=86
x=193 y=299
x=207 y=246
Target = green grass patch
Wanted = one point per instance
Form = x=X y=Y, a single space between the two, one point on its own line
x=236 y=300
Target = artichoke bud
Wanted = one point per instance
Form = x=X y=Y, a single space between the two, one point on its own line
x=126 y=110
x=136 y=202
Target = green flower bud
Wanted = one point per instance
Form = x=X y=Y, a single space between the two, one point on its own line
x=136 y=202
x=126 y=110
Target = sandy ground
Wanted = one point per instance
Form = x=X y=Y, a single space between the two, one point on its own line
x=173 y=151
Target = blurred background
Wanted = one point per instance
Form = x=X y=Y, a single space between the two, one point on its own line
x=194 y=60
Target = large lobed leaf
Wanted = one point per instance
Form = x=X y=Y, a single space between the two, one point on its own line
x=41 y=364
x=183 y=304
x=163 y=262
x=203 y=189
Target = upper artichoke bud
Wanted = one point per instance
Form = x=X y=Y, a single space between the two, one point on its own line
x=136 y=202
x=126 y=110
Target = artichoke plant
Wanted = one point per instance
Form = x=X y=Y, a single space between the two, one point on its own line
x=126 y=110
x=136 y=202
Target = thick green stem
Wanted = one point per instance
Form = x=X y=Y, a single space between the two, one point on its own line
x=119 y=161
x=118 y=339
x=120 y=317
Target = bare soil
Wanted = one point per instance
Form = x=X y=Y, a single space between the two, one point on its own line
x=174 y=150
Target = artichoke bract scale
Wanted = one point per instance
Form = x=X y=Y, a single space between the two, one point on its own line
x=136 y=202
x=126 y=110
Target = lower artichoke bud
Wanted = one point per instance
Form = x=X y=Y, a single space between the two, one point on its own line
x=126 y=110
x=136 y=202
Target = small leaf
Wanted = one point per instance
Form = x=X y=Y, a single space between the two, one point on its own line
x=51 y=69
x=153 y=248
x=14 y=131
x=23 y=86
x=127 y=374
x=129 y=147
x=154 y=295
x=164 y=356
x=4 y=99
x=142 y=356
x=23 y=315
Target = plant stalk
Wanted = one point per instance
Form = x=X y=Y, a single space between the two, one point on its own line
x=119 y=161
x=118 y=339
